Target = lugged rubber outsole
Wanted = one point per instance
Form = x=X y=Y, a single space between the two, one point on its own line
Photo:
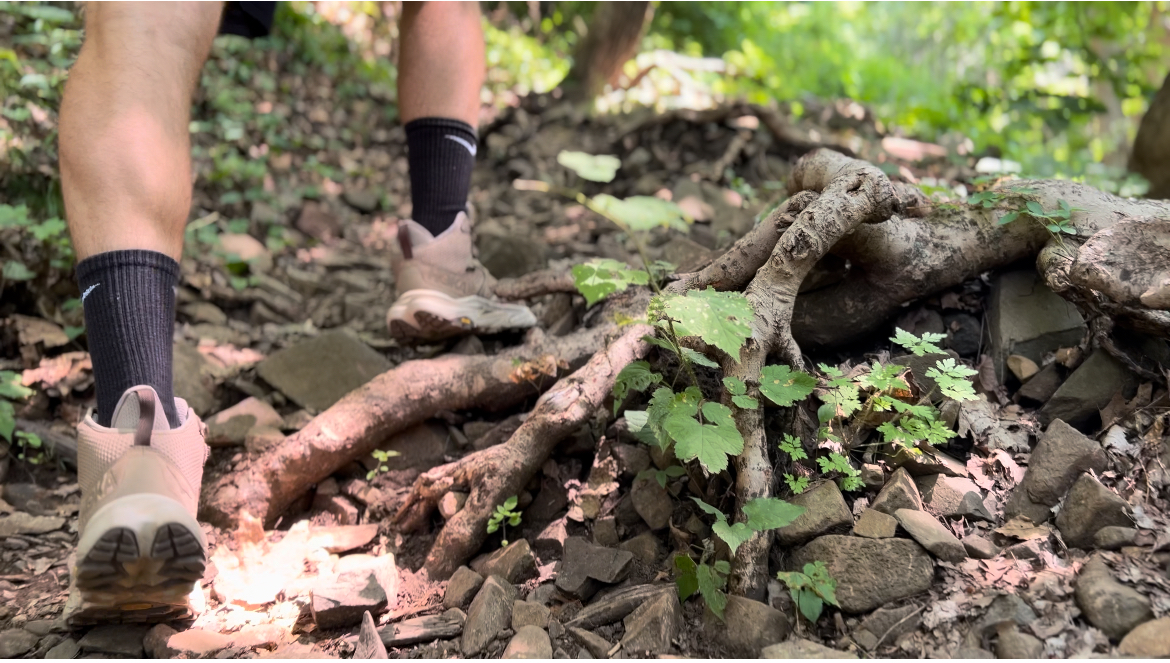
x=428 y=315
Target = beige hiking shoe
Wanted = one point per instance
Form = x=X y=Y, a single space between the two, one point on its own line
x=443 y=291
x=141 y=550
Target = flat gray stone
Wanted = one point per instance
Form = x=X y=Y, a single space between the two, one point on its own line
x=1148 y=640
x=1111 y=537
x=931 y=534
x=231 y=426
x=197 y=643
x=616 y=605
x=423 y=629
x=315 y=374
x=653 y=626
x=515 y=563
x=529 y=642
x=978 y=547
x=67 y=648
x=801 y=648
x=16 y=642
x=1026 y=318
x=892 y=623
x=869 y=572
x=1088 y=390
x=645 y=547
x=1004 y=609
x=585 y=567
x=1090 y=507
x=652 y=503
x=747 y=626
x=192 y=378
x=1108 y=604
x=1013 y=644
x=461 y=588
x=118 y=639
x=898 y=493
x=529 y=613
x=597 y=646
x=825 y=509
x=23 y=523
x=490 y=612
x=369 y=644
x=947 y=496
x=1042 y=385
x=875 y=525
x=340 y=601
x=1062 y=454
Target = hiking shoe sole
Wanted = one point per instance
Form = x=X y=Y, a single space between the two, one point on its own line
x=429 y=315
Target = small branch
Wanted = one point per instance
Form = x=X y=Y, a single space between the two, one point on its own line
x=535 y=284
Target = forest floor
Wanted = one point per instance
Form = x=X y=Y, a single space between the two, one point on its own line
x=281 y=313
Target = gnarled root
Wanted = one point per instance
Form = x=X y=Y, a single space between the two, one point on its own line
x=402 y=397
x=492 y=475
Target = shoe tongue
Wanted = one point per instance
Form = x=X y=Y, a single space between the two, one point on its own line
x=134 y=404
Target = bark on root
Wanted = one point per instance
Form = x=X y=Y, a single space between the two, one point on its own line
x=264 y=485
x=492 y=475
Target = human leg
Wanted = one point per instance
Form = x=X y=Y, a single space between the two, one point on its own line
x=442 y=290
x=126 y=179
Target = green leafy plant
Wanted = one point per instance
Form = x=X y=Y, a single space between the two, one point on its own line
x=10 y=389
x=811 y=590
x=381 y=456
x=30 y=449
x=502 y=517
x=662 y=476
x=1057 y=221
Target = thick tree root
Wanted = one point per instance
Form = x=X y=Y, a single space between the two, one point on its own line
x=264 y=485
x=492 y=475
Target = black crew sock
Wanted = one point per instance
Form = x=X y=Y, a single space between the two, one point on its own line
x=129 y=302
x=441 y=154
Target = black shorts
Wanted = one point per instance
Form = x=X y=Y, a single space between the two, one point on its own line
x=248 y=19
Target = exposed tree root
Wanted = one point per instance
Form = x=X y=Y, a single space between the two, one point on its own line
x=492 y=475
x=264 y=485
x=535 y=284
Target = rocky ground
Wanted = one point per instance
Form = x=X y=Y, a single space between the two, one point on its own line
x=1042 y=531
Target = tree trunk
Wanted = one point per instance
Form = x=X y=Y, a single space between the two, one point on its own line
x=1151 y=147
x=612 y=40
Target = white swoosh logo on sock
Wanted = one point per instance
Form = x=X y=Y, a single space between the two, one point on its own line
x=88 y=290
x=470 y=146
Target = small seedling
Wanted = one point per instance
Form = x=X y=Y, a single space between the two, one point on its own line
x=30 y=448
x=380 y=456
x=811 y=589
x=504 y=516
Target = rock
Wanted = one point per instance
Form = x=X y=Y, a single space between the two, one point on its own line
x=155 y=641
x=825 y=509
x=1089 y=507
x=605 y=532
x=340 y=507
x=16 y=642
x=973 y=652
x=1061 y=455
x=651 y=628
x=343 y=538
x=1022 y=367
x=632 y=459
x=451 y=503
x=424 y=629
x=1113 y=537
x=1042 y=385
x=1088 y=390
x=316 y=221
x=121 y=640
x=645 y=547
x=260 y=635
x=420 y=447
x=41 y=627
x=872 y=476
x=597 y=646
x=529 y=613
x=931 y=534
x=1108 y=604
x=512 y=255
x=340 y=601
x=616 y=605
x=963 y=333
x=1004 y=609
x=259 y=438
x=383 y=568
x=543 y=594
x=529 y=642
x=945 y=495
x=586 y=565
x=362 y=200
x=230 y=426
x=885 y=625
x=67 y=648
x=23 y=523
x=191 y=380
x=461 y=588
x=514 y=563
x=247 y=249
x=978 y=547
x=898 y=493
x=875 y=525
x=205 y=312
x=972 y=507
x=652 y=503
x=1013 y=644
x=801 y=648
x=747 y=626
x=490 y=612
x=369 y=644
x=315 y=374
x=935 y=462
x=549 y=502
x=196 y=643
x=1026 y=318
x=869 y=572
x=1148 y=640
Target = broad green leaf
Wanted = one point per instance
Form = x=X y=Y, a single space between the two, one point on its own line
x=592 y=167
x=710 y=444
x=7 y=420
x=11 y=387
x=783 y=386
x=719 y=318
x=636 y=376
x=734 y=386
x=686 y=578
x=709 y=587
x=598 y=278
x=707 y=508
x=642 y=212
x=745 y=402
x=723 y=566
x=1035 y=209
x=766 y=513
x=511 y=503
x=810 y=605
x=636 y=419
x=733 y=535
x=1008 y=218
x=16 y=271
x=699 y=358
